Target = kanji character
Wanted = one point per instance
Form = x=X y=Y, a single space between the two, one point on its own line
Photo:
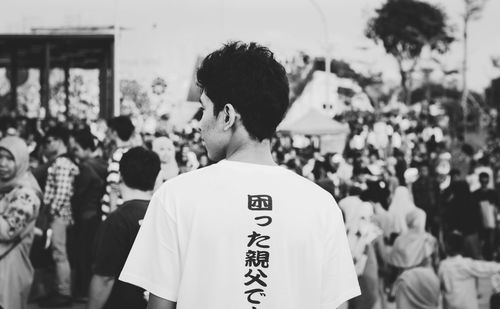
x=260 y=202
x=256 y=278
x=257 y=258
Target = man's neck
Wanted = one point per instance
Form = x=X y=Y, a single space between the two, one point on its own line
x=88 y=156
x=251 y=151
x=129 y=194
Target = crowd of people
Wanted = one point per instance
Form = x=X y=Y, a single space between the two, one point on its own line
x=420 y=206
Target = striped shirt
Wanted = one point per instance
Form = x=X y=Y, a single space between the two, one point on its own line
x=112 y=198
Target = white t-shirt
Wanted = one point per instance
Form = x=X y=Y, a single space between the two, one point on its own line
x=241 y=235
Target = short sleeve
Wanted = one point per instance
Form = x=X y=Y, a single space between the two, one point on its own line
x=154 y=261
x=340 y=282
x=111 y=248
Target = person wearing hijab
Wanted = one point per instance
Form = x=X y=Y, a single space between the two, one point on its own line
x=165 y=150
x=415 y=247
x=361 y=233
x=413 y=257
x=19 y=206
x=401 y=205
x=417 y=288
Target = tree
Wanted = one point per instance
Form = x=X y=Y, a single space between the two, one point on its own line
x=405 y=27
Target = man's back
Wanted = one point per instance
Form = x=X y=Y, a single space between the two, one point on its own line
x=236 y=235
x=458 y=277
x=113 y=242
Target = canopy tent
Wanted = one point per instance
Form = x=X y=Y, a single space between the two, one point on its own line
x=332 y=134
x=314 y=122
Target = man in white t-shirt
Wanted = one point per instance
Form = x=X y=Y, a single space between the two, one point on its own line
x=244 y=232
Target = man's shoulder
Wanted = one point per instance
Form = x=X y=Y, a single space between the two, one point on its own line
x=122 y=219
x=287 y=180
x=131 y=208
x=194 y=176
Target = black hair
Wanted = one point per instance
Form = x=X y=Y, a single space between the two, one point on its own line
x=139 y=168
x=248 y=77
x=123 y=127
x=355 y=190
x=85 y=139
x=484 y=175
x=454 y=243
x=59 y=133
x=424 y=164
x=467 y=149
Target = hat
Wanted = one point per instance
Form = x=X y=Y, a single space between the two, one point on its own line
x=411 y=175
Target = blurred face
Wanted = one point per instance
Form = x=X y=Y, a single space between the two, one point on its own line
x=7 y=165
x=111 y=135
x=424 y=171
x=165 y=151
x=203 y=160
x=76 y=150
x=211 y=130
x=52 y=146
x=484 y=182
x=196 y=136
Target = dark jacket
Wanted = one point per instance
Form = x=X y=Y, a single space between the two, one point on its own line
x=460 y=211
x=426 y=194
x=99 y=165
x=89 y=187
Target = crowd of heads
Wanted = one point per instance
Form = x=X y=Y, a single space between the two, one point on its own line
x=243 y=86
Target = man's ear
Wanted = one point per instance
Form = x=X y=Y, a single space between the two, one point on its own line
x=229 y=116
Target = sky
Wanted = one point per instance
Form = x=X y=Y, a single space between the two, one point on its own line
x=164 y=37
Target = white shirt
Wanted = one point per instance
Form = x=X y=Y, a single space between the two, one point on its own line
x=458 y=277
x=195 y=244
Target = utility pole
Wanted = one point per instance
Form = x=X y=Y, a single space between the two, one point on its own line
x=328 y=58
x=116 y=62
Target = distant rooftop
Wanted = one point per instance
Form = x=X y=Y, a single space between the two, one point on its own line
x=67 y=46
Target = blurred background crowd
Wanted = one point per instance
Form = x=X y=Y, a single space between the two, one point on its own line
x=414 y=195
x=394 y=112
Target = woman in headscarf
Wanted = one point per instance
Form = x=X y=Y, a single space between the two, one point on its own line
x=401 y=205
x=19 y=206
x=361 y=233
x=165 y=149
x=415 y=247
x=413 y=256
